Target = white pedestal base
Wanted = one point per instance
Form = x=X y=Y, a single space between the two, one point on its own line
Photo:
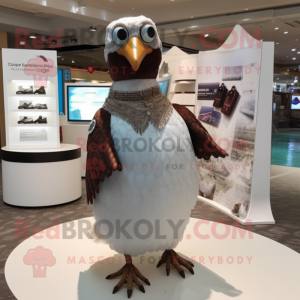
x=273 y=271
x=35 y=184
x=77 y=135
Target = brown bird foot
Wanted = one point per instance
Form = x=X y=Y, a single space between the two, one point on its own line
x=170 y=257
x=130 y=274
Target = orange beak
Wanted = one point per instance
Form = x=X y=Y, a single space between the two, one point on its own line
x=135 y=51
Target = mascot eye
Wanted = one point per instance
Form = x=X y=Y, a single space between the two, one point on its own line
x=148 y=33
x=120 y=36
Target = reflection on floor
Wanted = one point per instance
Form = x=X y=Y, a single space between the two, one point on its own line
x=286 y=149
x=285 y=191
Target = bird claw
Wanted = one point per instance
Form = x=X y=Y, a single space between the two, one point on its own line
x=130 y=274
x=170 y=257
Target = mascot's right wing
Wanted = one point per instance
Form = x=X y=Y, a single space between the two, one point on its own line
x=102 y=158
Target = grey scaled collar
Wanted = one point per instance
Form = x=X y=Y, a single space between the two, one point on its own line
x=140 y=108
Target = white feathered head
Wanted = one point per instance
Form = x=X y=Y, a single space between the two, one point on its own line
x=132 y=45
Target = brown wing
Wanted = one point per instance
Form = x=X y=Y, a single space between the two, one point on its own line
x=102 y=158
x=203 y=143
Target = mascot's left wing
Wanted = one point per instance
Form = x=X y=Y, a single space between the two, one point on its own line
x=203 y=144
x=102 y=158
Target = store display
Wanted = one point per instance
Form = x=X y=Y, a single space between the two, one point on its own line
x=20 y=97
x=29 y=105
x=149 y=114
x=26 y=120
x=234 y=126
x=40 y=120
x=26 y=106
x=25 y=91
x=230 y=101
x=40 y=106
x=41 y=90
x=221 y=95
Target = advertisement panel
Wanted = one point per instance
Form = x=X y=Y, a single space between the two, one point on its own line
x=231 y=122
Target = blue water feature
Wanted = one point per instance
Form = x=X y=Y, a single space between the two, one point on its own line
x=286 y=149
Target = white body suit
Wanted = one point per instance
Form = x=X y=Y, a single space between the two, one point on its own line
x=155 y=185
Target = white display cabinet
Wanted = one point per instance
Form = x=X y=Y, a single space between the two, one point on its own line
x=17 y=63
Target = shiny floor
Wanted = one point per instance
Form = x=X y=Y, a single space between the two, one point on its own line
x=286 y=149
x=285 y=201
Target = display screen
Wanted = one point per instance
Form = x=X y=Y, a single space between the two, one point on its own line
x=295 y=102
x=84 y=101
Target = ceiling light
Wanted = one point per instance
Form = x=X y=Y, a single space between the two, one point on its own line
x=292 y=83
x=277 y=43
x=32 y=36
x=296 y=80
x=276 y=28
x=286 y=32
x=93 y=28
x=287 y=70
x=246 y=8
x=193 y=26
x=73 y=61
x=81 y=4
x=298 y=52
x=192 y=17
x=62 y=58
x=206 y=35
x=296 y=39
x=246 y=19
x=294 y=58
x=293 y=49
x=277 y=78
x=133 y=8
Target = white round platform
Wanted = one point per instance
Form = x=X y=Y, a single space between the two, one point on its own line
x=41 y=177
x=273 y=273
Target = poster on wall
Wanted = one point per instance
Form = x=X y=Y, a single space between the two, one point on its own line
x=228 y=111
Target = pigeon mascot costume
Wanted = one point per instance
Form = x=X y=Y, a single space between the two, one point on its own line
x=140 y=151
